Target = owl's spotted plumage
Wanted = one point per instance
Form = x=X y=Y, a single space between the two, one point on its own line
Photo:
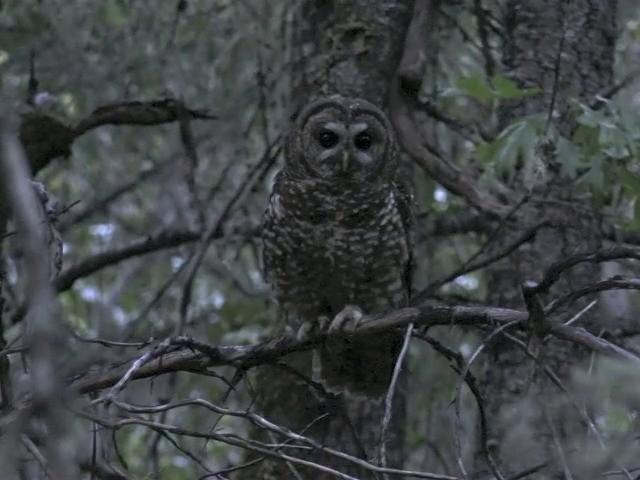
x=338 y=231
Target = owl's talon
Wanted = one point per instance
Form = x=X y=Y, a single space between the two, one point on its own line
x=304 y=332
x=310 y=329
x=348 y=319
x=323 y=323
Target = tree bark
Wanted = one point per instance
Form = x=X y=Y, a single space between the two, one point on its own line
x=351 y=48
x=567 y=49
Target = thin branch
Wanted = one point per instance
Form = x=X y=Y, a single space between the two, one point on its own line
x=556 y=71
x=215 y=229
x=262 y=422
x=613 y=283
x=458 y=367
x=166 y=238
x=481 y=18
x=388 y=402
x=191 y=165
x=103 y=201
x=461 y=379
x=556 y=441
x=37 y=454
x=600 y=99
x=552 y=274
x=525 y=237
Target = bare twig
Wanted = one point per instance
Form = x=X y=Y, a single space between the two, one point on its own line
x=102 y=202
x=461 y=379
x=256 y=446
x=553 y=273
x=613 y=283
x=481 y=19
x=37 y=454
x=600 y=99
x=166 y=238
x=191 y=163
x=388 y=401
x=526 y=236
x=216 y=227
x=581 y=313
x=556 y=71
x=471 y=382
x=556 y=440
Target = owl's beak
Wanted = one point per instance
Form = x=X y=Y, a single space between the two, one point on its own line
x=346 y=160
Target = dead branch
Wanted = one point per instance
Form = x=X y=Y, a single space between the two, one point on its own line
x=261 y=422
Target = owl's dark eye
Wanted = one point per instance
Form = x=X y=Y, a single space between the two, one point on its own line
x=328 y=139
x=362 y=141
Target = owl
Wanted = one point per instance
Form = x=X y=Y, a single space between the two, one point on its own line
x=337 y=237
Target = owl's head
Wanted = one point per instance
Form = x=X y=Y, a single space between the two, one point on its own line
x=342 y=139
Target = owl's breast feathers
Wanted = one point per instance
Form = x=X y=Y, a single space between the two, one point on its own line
x=328 y=244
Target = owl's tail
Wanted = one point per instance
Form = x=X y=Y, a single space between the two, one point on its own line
x=360 y=367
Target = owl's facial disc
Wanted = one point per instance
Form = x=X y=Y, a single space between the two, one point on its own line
x=346 y=151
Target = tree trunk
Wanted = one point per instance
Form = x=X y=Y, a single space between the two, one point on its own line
x=567 y=49
x=351 y=48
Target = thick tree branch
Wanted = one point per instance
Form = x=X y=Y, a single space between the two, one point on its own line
x=153 y=112
x=185 y=354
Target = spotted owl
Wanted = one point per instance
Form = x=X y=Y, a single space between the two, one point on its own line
x=337 y=236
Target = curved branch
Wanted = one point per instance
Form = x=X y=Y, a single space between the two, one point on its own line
x=556 y=269
x=153 y=112
x=404 y=108
x=45 y=137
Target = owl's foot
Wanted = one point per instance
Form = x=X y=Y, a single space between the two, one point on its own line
x=347 y=320
x=310 y=329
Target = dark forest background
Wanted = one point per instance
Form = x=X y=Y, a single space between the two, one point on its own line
x=139 y=141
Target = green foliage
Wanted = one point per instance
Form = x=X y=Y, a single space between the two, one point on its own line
x=497 y=87
x=600 y=157
x=516 y=143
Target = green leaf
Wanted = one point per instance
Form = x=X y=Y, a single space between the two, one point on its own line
x=475 y=86
x=570 y=157
x=113 y=13
x=500 y=88
x=517 y=141
x=506 y=89
x=520 y=140
x=591 y=117
x=635 y=218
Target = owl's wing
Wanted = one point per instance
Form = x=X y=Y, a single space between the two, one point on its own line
x=270 y=234
x=407 y=209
